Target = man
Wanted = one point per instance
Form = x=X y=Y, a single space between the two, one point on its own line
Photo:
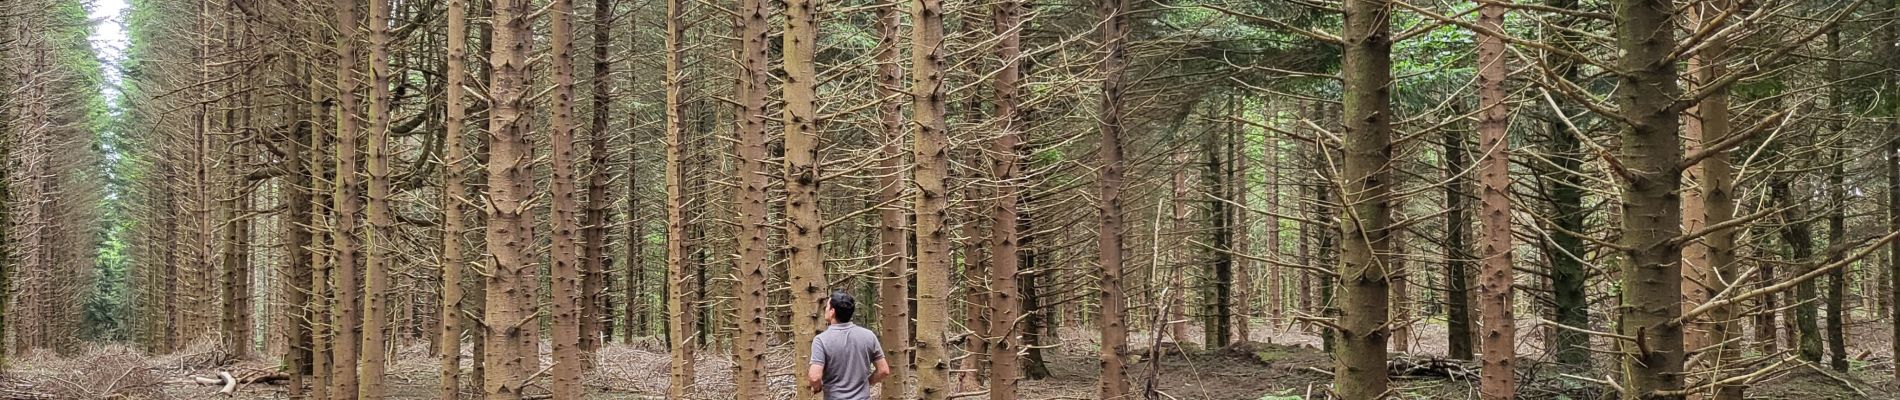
x=843 y=355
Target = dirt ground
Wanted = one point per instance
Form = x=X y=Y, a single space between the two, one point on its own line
x=1279 y=364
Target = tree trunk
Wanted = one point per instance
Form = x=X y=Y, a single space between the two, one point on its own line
x=1567 y=276
x=933 y=243
x=1364 y=217
x=804 y=226
x=1651 y=204
x=893 y=239
x=1715 y=189
x=749 y=347
x=1836 y=219
x=569 y=306
x=511 y=353
x=453 y=191
x=596 y=314
x=1114 y=331
x=1007 y=153
x=681 y=320
x=1457 y=250
x=347 y=310
x=1498 y=375
x=382 y=227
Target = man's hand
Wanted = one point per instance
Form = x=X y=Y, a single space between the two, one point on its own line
x=816 y=376
x=883 y=371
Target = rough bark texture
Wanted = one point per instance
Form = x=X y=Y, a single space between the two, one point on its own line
x=1651 y=210
x=1715 y=183
x=512 y=354
x=1457 y=250
x=929 y=148
x=681 y=319
x=346 y=315
x=596 y=314
x=565 y=261
x=1006 y=154
x=381 y=225
x=1496 y=297
x=1567 y=275
x=1364 y=215
x=750 y=341
x=1113 y=329
x=1798 y=236
x=453 y=189
x=804 y=226
x=892 y=237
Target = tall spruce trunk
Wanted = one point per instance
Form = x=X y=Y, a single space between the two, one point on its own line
x=681 y=318
x=1836 y=219
x=1113 y=328
x=1650 y=209
x=1567 y=273
x=751 y=339
x=1364 y=224
x=804 y=226
x=929 y=147
x=346 y=316
x=564 y=214
x=1457 y=249
x=381 y=226
x=512 y=353
x=454 y=188
x=1715 y=179
x=1005 y=304
x=893 y=240
x=597 y=314
x=1496 y=295
x=1798 y=238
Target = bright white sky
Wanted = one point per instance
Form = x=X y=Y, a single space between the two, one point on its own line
x=108 y=37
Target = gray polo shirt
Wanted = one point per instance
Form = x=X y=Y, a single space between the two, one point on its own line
x=848 y=353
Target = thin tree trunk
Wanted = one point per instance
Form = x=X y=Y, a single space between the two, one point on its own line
x=597 y=317
x=933 y=243
x=1457 y=250
x=347 y=310
x=1836 y=220
x=1007 y=154
x=453 y=189
x=382 y=227
x=1567 y=276
x=1716 y=190
x=1114 y=331
x=749 y=347
x=1498 y=375
x=1365 y=218
x=893 y=241
x=681 y=313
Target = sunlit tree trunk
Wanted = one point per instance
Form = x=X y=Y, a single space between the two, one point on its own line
x=1114 y=331
x=510 y=314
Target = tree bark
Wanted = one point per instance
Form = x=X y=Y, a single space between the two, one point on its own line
x=1365 y=218
x=1006 y=165
x=1457 y=250
x=376 y=269
x=455 y=114
x=346 y=315
x=929 y=148
x=750 y=341
x=893 y=239
x=681 y=313
x=567 y=272
x=1651 y=204
x=1114 y=331
x=804 y=226
x=596 y=314
x=1498 y=374
x=510 y=316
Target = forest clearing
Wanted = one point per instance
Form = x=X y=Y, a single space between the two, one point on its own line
x=949 y=199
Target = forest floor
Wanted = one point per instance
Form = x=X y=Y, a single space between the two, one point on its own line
x=1278 y=364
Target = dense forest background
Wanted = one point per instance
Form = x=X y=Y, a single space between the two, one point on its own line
x=1356 y=199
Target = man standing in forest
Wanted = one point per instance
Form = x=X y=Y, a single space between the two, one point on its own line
x=842 y=355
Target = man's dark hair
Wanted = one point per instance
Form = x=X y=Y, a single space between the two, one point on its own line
x=842 y=306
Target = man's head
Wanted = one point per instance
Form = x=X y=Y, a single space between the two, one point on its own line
x=839 y=308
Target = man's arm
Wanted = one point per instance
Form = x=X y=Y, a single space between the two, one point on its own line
x=883 y=371
x=816 y=376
